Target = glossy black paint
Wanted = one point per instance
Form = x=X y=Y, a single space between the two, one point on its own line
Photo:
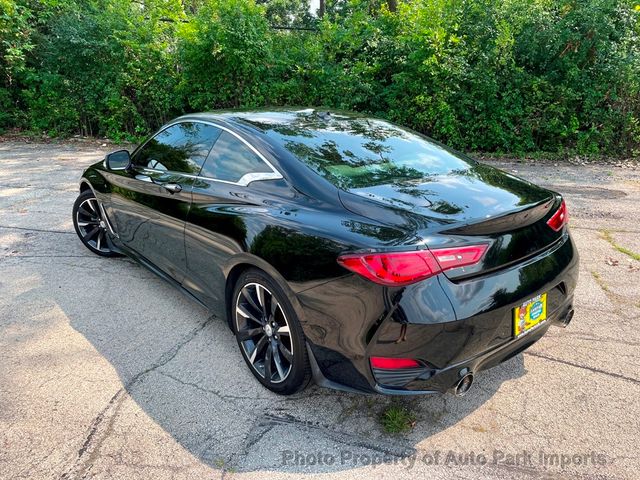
x=294 y=228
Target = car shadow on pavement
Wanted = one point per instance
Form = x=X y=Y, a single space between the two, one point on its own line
x=181 y=366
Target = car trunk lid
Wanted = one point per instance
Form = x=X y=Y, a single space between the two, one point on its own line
x=476 y=205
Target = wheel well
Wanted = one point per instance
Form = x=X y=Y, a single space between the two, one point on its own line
x=230 y=284
x=239 y=269
x=84 y=186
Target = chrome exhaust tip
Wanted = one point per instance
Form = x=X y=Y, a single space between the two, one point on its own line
x=564 y=321
x=463 y=385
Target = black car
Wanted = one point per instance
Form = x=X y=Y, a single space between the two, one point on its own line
x=339 y=247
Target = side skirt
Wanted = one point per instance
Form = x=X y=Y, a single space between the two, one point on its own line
x=150 y=266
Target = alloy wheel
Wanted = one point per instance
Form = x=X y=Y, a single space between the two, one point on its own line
x=263 y=332
x=91 y=226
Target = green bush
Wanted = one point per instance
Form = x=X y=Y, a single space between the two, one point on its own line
x=508 y=76
x=226 y=54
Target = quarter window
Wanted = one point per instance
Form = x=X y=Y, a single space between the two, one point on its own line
x=230 y=159
x=180 y=148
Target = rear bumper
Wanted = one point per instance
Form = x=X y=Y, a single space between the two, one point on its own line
x=450 y=327
x=440 y=381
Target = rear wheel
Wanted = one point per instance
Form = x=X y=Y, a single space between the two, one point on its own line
x=269 y=333
x=90 y=225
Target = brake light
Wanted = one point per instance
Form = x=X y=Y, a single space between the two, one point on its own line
x=404 y=268
x=393 y=363
x=560 y=218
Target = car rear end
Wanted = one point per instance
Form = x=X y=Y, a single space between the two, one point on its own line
x=507 y=280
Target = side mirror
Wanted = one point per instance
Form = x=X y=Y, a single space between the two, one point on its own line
x=118 y=160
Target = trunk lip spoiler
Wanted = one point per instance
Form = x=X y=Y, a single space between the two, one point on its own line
x=507 y=221
x=518 y=263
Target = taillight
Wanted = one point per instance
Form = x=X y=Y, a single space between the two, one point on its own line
x=560 y=218
x=403 y=268
x=389 y=363
x=459 y=257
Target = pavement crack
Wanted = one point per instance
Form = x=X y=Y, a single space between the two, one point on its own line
x=102 y=425
x=395 y=448
x=47 y=256
x=36 y=187
x=594 y=338
x=28 y=229
x=584 y=367
x=218 y=394
x=266 y=422
x=596 y=229
x=257 y=431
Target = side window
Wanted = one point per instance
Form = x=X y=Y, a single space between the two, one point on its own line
x=180 y=148
x=230 y=160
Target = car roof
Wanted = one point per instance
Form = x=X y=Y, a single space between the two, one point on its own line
x=256 y=119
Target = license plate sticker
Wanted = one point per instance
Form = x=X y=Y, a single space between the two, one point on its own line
x=529 y=315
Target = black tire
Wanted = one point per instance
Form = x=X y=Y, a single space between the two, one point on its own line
x=279 y=361
x=90 y=226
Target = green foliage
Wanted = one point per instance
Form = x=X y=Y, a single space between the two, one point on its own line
x=100 y=67
x=485 y=75
x=226 y=52
x=15 y=43
x=287 y=12
x=397 y=418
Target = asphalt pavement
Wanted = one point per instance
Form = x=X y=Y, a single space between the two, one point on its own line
x=106 y=371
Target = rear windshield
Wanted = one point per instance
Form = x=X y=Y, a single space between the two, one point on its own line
x=356 y=153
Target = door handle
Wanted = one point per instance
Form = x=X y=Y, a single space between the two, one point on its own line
x=172 y=187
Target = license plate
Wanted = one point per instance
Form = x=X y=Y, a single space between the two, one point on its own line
x=529 y=315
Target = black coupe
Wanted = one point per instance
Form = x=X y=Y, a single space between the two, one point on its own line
x=339 y=247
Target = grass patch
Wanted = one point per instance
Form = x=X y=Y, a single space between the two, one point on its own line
x=607 y=236
x=360 y=405
x=222 y=465
x=599 y=280
x=397 y=418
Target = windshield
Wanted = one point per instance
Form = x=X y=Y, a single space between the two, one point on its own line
x=355 y=153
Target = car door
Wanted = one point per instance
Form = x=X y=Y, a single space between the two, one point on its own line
x=224 y=202
x=150 y=201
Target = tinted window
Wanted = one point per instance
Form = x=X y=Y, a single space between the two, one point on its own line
x=180 y=148
x=355 y=152
x=230 y=160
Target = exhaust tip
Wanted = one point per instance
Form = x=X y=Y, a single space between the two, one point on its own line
x=463 y=385
x=567 y=318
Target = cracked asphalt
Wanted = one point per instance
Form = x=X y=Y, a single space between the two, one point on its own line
x=106 y=371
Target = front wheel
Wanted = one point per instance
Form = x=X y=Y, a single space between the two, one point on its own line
x=90 y=225
x=269 y=334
